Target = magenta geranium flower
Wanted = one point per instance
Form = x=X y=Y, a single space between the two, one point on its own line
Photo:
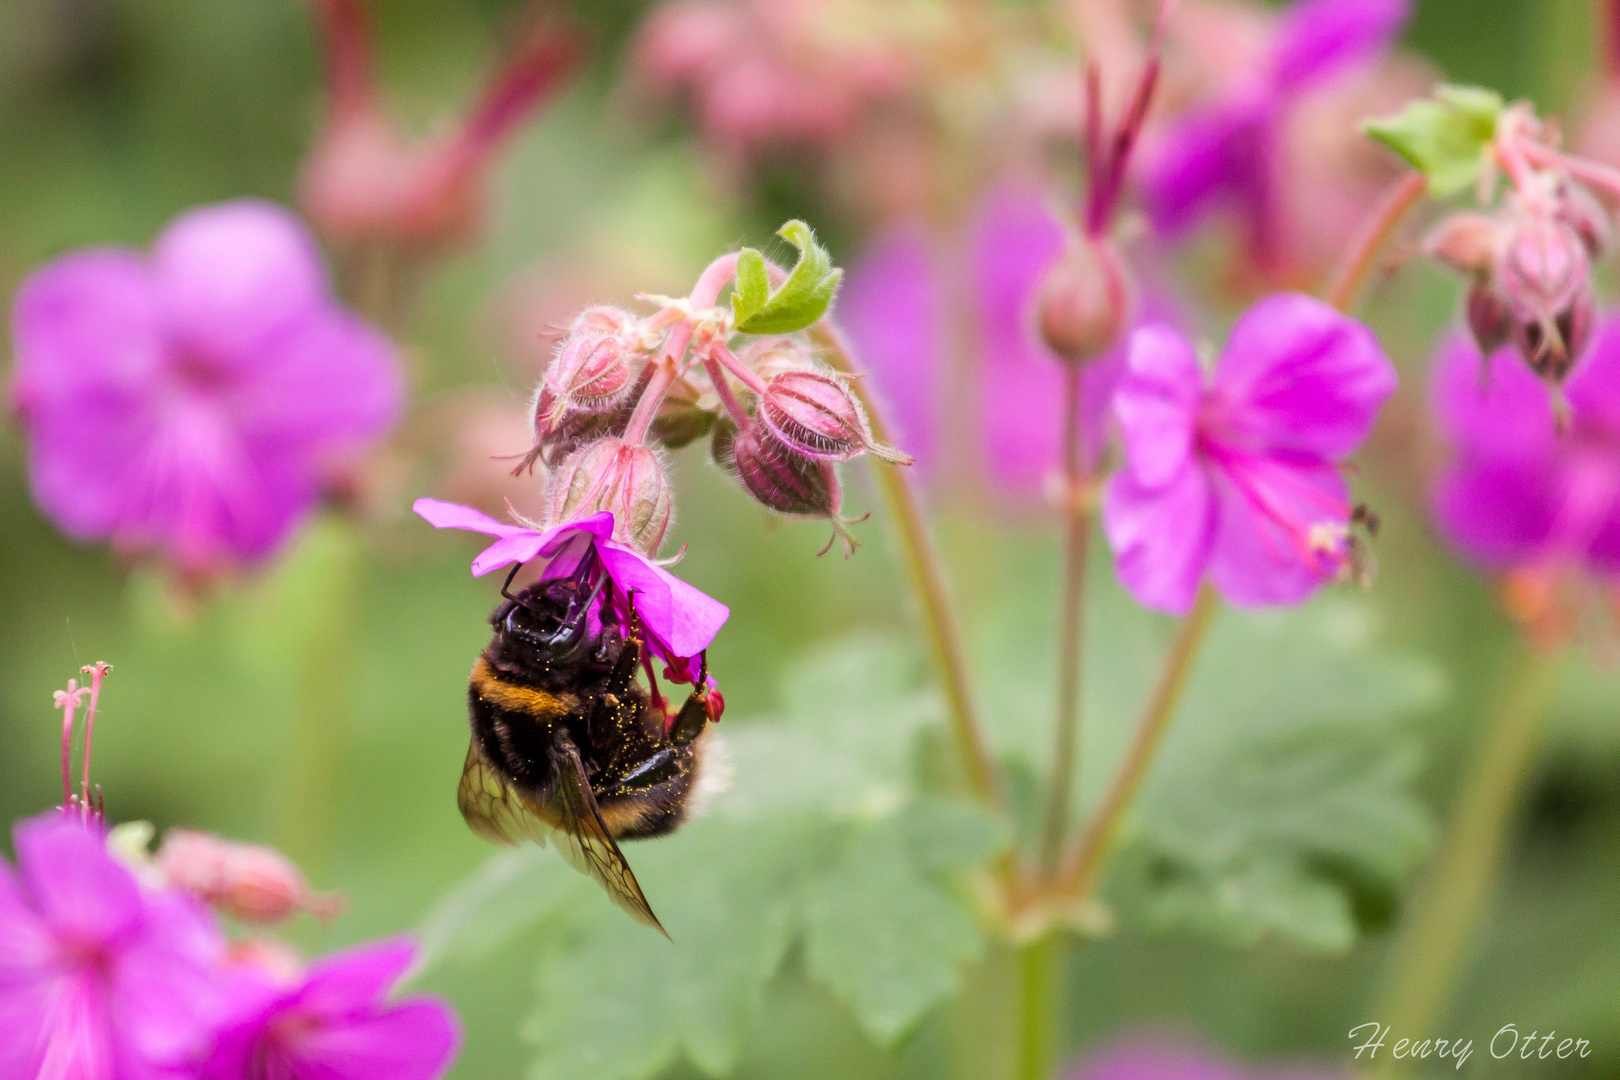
x=892 y=305
x=1235 y=476
x=193 y=403
x=680 y=621
x=1228 y=153
x=1519 y=494
x=1174 y=1059
x=337 y=1023
x=100 y=978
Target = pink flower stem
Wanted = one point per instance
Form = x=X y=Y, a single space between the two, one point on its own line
x=651 y=399
x=1591 y=173
x=705 y=293
x=1082 y=858
x=1434 y=938
x=743 y=373
x=728 y=396
x=927 y=577
x=1358 y=261
x=347 y=58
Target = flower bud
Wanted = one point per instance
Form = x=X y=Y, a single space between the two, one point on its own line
x=1489 y=318
x=627 y=479
x=1467 y=242
x=245 y=881
x=1085 y=301
x=594 y=370
x=682 y=417
x=1544 y=266
x=1551 y=347
x=813 y=413
x=1588 y=217
x=779 y=478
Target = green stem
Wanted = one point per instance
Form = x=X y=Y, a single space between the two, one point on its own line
x=928 y=578
x=1433 y=941
x=1077 y=871
x=1035 y=1000
x=1358 y=261
x=1071 y=617
x=320 y=587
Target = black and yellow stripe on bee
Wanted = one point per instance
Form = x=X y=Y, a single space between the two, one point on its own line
x=496 y=690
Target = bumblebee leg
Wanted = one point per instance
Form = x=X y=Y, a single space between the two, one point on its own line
x=665 y=765
x=506 y=585
x=690 y=721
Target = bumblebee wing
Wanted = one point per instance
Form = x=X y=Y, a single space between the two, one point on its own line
x=584 y=840
x=492 y=807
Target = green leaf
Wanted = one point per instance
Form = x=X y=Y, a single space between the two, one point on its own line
x=1281 y=802
x=1445 y=138
x=888 y=941
x=802 y=299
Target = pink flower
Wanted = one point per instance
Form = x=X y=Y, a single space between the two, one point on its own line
x=100 y=979
x=1519 y=495
x=1232 y=152
x=194 y=403
x=1235 y=477
x=1170 y=1059
x=893 y=305
x=337 y=1024
x=680 y=621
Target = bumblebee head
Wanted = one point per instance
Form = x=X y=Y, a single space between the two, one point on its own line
x=554 y=624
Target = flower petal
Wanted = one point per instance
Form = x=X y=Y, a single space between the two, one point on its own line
x=1498 y=512
x=232 y=273
x=1157 y=402
x=891 y=307
x=1496 y=409
x=327 y=381
x=682 y=617
x=449 y=515
x=1161 y=536
x=1594 y=388
x=1219 y=154
x=1269 y=517
x=520 y=548
x=77 y=888
x=1299 y=376
x=1321 y=38
x=88 y=321
x=357 y=978
x=417 y=1040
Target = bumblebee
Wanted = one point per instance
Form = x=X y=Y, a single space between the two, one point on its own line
x=567 y=747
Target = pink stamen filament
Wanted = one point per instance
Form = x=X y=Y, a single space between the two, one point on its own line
x=68 y=703
x=96 y=672
x=1235 y=464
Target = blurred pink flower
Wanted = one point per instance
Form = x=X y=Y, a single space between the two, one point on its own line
x=1236 y=476
x=194 y=403
x=1171 y=1059
x=772 y=71
x=893 y=306
x=1237 y=149
x=1518 y=494
x=336 y=1023
x=680 y=621
x=100 y=979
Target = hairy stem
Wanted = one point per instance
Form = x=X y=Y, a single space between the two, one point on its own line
x=1071 y=618
x=1434 y=940
x=1035 y=998
x=1077 y=871
x=928 y=578
x=1359 y=260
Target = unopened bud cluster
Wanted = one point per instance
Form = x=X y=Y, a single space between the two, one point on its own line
x=1529 y=265
x=621 y=390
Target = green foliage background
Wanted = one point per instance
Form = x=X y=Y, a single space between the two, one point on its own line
x=822 y=925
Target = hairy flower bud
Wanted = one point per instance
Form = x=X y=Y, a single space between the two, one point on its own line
x=1085 y=301
x=1545 y=275
x=779 y=478
x=1467 y=242
x=1490 y=319
x=813 y=413
x=627 y=479
x=594 y=369
x=1588 y=217
x=245 y=881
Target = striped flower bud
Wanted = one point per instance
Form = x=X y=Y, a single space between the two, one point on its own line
x=594 y=370
x=813 y=413
x=627 y=479
x=780 y=478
